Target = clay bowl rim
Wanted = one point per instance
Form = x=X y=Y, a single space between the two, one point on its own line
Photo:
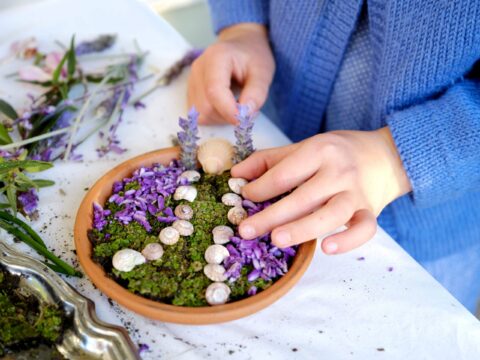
x=155 y=309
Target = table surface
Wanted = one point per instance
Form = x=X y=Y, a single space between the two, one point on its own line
x=343 y=308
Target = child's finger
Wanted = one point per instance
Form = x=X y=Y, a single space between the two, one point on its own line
x=288 y=173
x=335 y=213
x=196 y=96
x=217 y=82
x=255 y=88
x=260 y=161
x=302 y=201
x=362 y=227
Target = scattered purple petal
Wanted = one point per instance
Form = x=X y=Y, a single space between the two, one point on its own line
x=252 y=291
x=143 y=348
x=390 y=268
x=137 y=204
x=28 y=201
x=361 y=258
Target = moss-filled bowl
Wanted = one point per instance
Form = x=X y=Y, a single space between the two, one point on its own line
x=155 y=309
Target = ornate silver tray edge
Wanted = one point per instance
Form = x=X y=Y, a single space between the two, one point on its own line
x=88 y=337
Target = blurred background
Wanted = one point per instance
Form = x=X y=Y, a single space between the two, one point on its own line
x=189 y=17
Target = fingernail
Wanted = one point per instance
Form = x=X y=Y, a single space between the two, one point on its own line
x=283 y=238
x=251 y=105
x=331 y=247
x=247 y=231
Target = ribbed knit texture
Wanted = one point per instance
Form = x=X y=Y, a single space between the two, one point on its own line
x=421 y=86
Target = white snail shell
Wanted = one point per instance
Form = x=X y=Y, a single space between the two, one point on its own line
x=215 y=156
x=215 y=272
x=127 y=259
x=152 y=251
x=184 y=227
x=215 y=254
x=183 y=212
x=185 y=192
x=236 y=215
x=236 y=184
x=217 y=293
x=190 y=175
x=169 y=235
x=232 y=199
x=222 y=234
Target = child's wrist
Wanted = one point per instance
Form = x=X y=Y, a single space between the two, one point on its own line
x=243 y=29
x=401 y=184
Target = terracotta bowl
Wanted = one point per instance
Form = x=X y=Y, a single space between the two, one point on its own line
x=157 y=310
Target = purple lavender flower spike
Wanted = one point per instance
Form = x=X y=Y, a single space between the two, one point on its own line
x=188 y=139
x=243 y=133
x=101 y=43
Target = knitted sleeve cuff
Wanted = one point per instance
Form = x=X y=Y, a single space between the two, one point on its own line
x=230 y=12
x=439 y=144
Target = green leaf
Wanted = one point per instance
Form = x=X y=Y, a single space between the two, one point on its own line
x=23 y=182
x=35 y=166
x=27 y=165
x=4 y=136
x=12 y=198
x=72 y=60
x=43 y=183
x=4 y=206
x=58 y=70
x=8 y=110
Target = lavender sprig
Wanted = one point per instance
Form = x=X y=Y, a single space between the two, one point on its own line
x=176 y=69
x=188 y=139
x=99 y=44
x=118 y=103
x=243 y=133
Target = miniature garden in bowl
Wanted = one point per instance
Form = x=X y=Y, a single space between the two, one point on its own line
x=158 y=234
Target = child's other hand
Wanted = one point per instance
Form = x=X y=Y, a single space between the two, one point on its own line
x=339 y=178
x=242 y=53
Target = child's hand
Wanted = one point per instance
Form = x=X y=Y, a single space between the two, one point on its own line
x=243 y=54
x=339 y=178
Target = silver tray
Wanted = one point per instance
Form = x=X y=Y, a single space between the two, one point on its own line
x=88 y=337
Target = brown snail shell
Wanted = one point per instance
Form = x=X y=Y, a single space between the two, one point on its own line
x=215 y=254
x=184 y=227
x=185 y=192
x=191 y=176
x=183 y=212
x=152 y=251
x=236 y=215
x=232 y=199
x=236 y=184
x=216 y=156
x=222 y=234
x=169 y=235
x=217 y=293
x=215 y=272
x=126 y=259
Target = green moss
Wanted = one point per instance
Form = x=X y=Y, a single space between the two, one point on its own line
x=49 y=323
x=131 y=236
x=177 y=277
x=25 y=323
x=133 y=185
x=191 y=291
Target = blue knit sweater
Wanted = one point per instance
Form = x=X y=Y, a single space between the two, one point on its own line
x=422 y=83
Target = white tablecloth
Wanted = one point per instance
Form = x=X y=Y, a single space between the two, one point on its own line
x=343 y=308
